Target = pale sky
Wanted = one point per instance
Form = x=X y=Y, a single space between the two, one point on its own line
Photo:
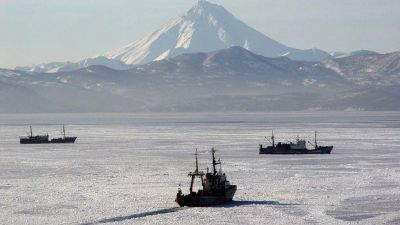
x=38 y=31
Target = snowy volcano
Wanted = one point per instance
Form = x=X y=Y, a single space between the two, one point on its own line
x=206 y=27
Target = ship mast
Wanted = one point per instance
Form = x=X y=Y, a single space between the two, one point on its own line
x=196 y=173
x=273 y=139
x=214 y=162
x=64 y=130
x=220 y=166
x=315 y=140
x=31 y=131
x=197 y=163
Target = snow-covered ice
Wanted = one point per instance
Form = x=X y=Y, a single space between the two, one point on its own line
x=126 y=168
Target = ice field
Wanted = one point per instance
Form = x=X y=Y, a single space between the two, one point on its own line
x=126 y=169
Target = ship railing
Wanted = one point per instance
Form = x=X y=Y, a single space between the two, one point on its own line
x=196 y=174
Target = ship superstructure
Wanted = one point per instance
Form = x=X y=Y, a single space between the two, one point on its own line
x=31 y=139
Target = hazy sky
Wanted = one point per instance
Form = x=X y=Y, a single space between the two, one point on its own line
x=36 y=31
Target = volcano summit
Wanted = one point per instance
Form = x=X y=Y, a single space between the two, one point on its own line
x=207 y=27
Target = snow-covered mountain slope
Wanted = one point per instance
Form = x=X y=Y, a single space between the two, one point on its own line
x=368 y=69
x=55 y=67
x=335 y=54
x=207 y=27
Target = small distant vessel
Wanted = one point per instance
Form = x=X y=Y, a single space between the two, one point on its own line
x=298 y=147
x=44 y=139
x=216 y=188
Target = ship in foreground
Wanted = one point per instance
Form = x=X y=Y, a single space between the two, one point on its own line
x=44 y=139
x=298 y=147
x=216 y=189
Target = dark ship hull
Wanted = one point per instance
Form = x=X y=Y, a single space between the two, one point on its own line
x=200 y=200
x=34 y=140
x=288 y=150
x=63 y=140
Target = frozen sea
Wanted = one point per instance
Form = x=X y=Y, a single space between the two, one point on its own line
x=126 y=168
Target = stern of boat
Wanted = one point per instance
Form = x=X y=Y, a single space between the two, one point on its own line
x=180 y=198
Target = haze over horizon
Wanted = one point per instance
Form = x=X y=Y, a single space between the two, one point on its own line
x=39 y=31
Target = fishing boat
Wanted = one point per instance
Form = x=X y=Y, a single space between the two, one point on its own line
x=216 y=189
x=44 y=139
x=297 y=147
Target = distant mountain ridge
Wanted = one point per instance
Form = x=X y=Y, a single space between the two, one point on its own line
x=71 y=66
x=232 y=79
x=353 y=53
x=368 y=69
